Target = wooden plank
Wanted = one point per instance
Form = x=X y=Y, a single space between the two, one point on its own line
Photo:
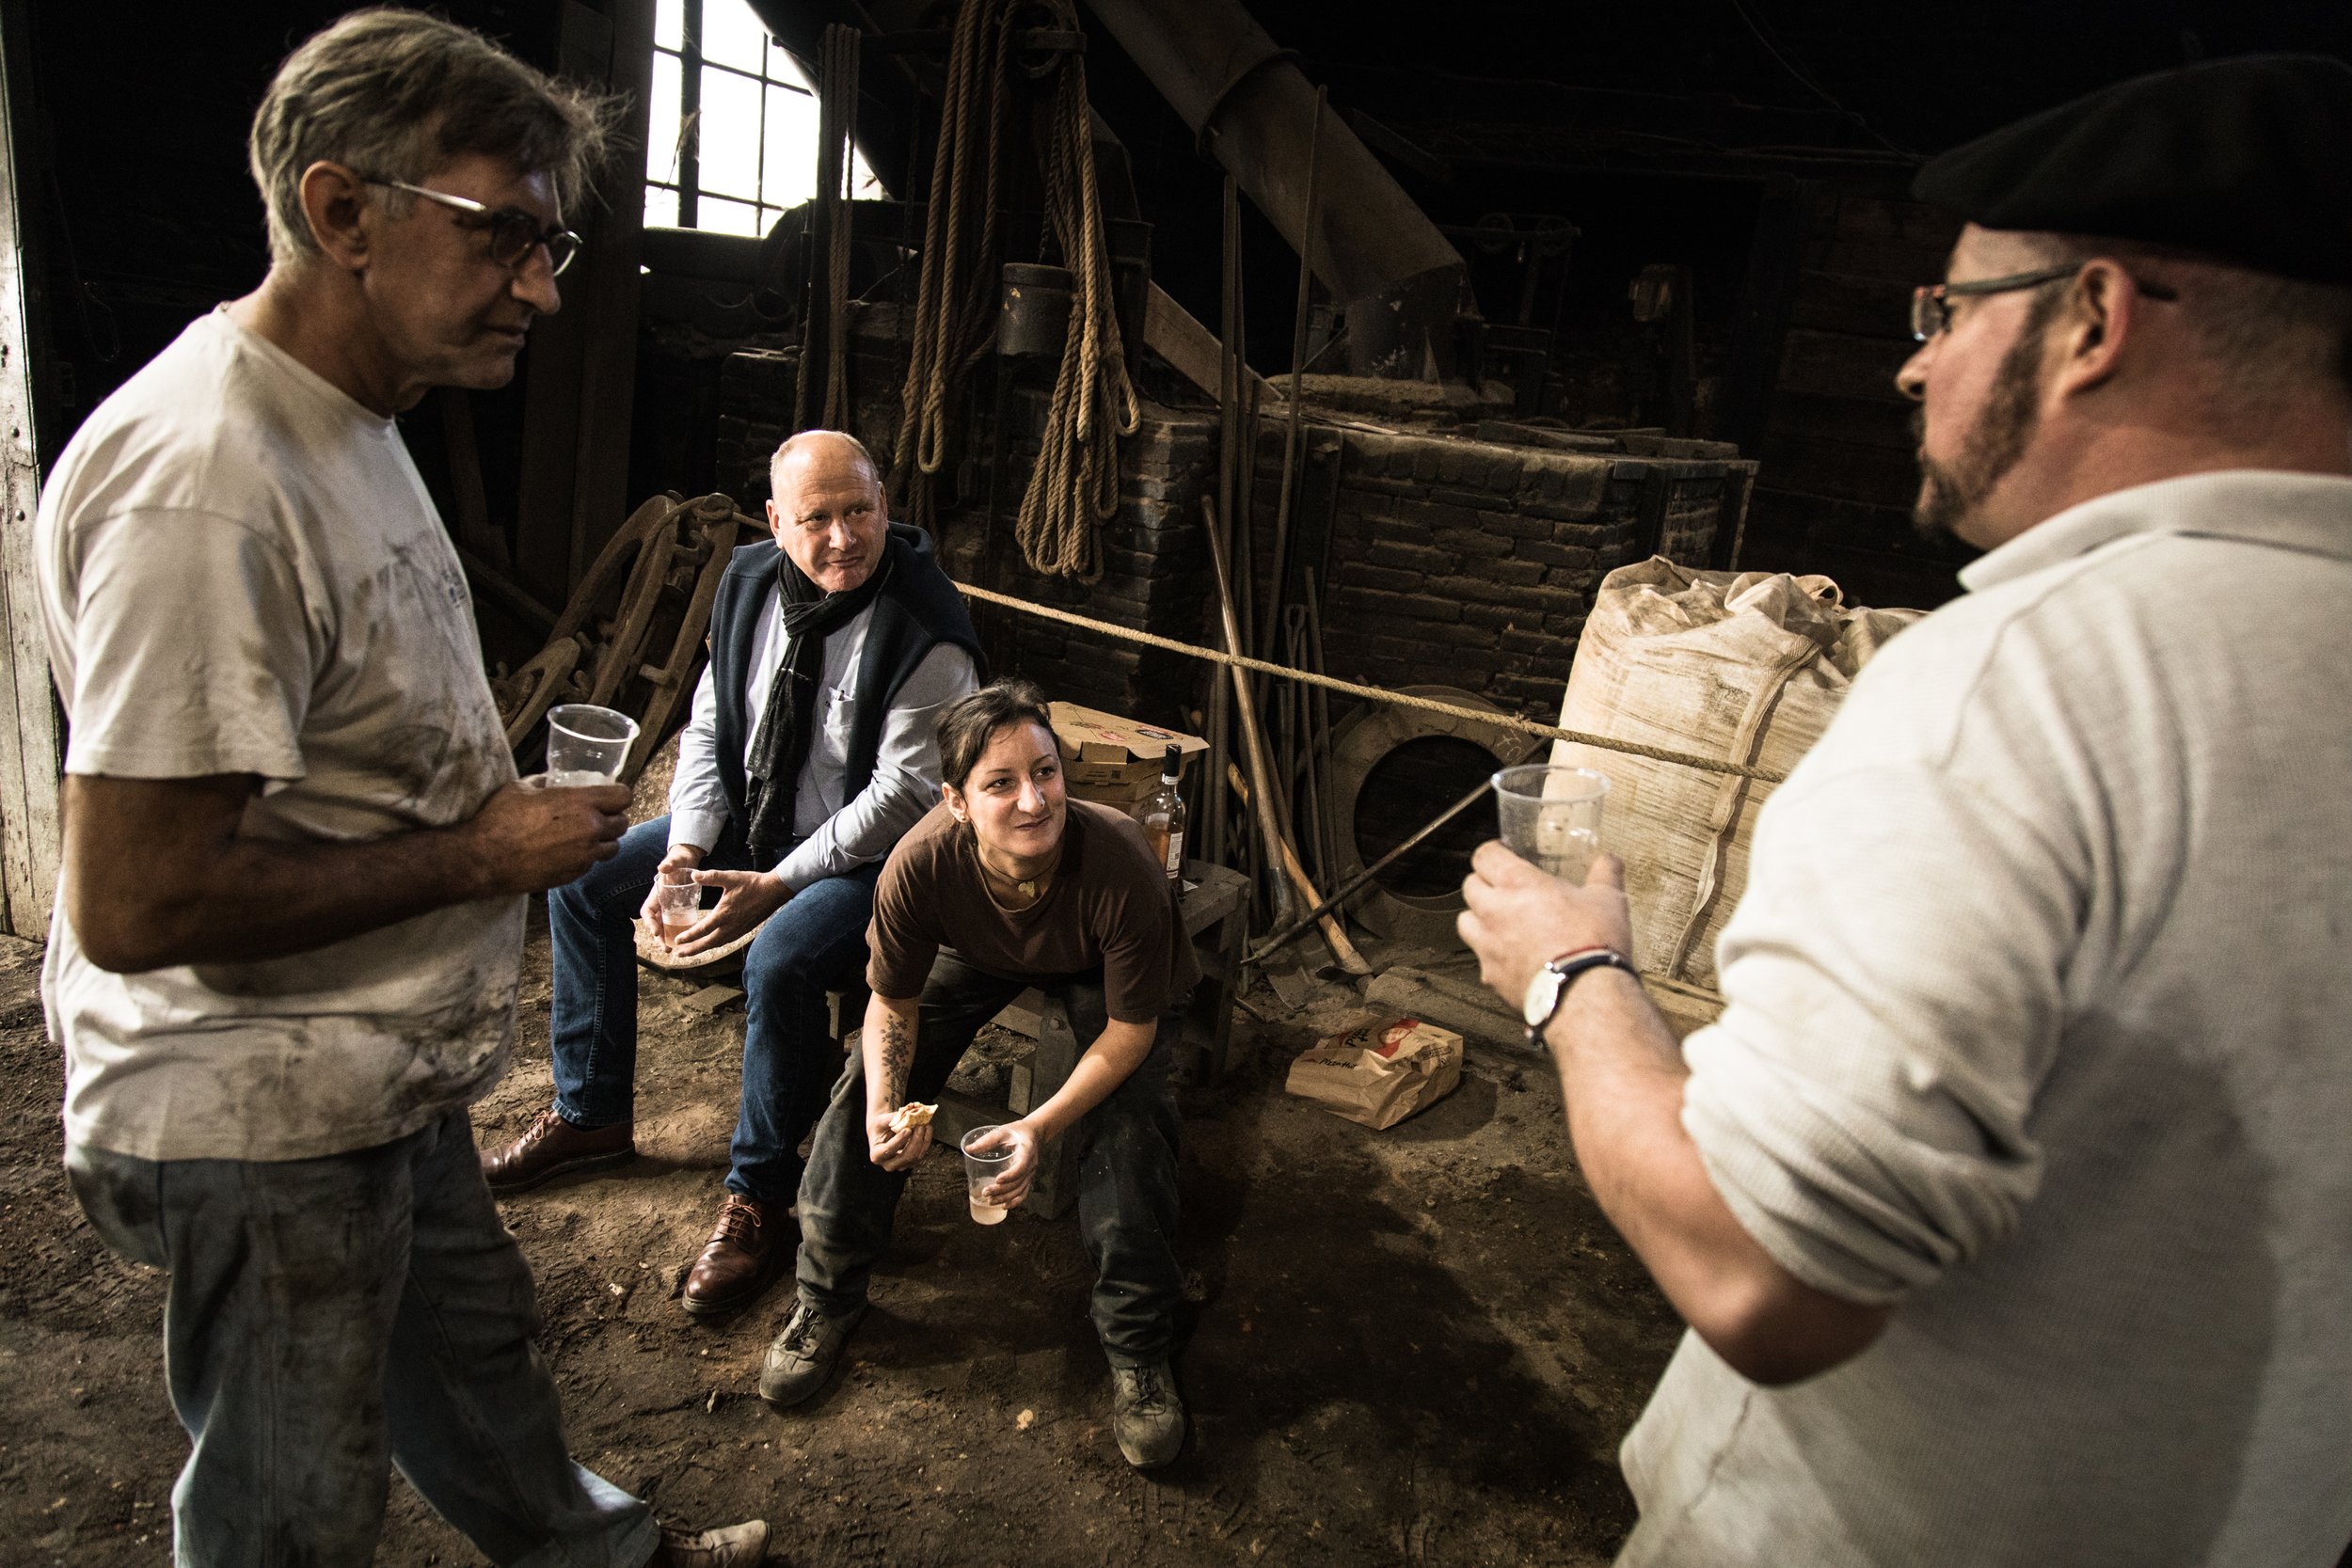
x=555 y=366
x=30 y=742
x=609 y=294
x=1912 y=224
x=1190 y=349
x=1842 y=366
x=1844 y=470
x=1864 y=422
x=1856 y=307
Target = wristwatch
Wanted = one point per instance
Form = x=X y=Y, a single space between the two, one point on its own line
x=1550 y=987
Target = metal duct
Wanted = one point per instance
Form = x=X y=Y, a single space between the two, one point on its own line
x=1375 y=249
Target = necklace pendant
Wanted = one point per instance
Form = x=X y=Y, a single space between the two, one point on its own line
x=1028 y=889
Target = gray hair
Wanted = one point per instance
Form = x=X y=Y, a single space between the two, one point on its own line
x=793 y=444
x=395 y=94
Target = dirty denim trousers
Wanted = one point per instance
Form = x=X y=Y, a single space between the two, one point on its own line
x=325 y=1316
x=790 y=1057
x=1126 y=1163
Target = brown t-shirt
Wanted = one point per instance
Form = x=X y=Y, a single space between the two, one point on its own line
x=1109 y=907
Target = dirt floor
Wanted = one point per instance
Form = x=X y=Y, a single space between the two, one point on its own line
x=1416 y=1346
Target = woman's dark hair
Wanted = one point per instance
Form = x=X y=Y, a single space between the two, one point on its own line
x=971 y=722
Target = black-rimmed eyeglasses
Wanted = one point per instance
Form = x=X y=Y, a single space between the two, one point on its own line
x=1930 y=303
x=513 y=233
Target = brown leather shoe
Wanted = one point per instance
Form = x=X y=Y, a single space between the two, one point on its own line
x=552 y=1146
x=739 y=1258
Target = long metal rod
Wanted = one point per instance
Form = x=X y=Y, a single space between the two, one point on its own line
x=1340 y=894
x=1269 y=826
x=1298 y=365
x=1333 y=932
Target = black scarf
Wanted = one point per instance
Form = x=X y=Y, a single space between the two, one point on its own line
x=787 y=724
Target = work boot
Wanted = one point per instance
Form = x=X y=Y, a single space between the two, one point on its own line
x=737 y=1546
x=1147 y=1414
x=806 y=1354
x=738 y=1260
x=552 y=1146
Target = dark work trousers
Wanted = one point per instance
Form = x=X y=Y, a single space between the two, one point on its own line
x=815 y=943
x=1125 y=1149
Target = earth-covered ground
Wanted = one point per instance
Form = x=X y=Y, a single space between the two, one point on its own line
x=1417 y=1346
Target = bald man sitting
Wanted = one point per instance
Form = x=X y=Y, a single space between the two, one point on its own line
x=810 y=752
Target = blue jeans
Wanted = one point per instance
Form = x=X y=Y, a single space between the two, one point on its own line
x=1126 y=1155
x=815 y=943
x=326 y=1316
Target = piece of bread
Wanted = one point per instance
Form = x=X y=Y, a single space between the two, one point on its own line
x=912 y=1114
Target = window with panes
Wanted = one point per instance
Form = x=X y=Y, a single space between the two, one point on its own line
x=733 y=130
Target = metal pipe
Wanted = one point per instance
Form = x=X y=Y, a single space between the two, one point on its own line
x=1253 y=111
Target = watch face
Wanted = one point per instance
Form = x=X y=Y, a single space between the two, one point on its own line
x=1537 y=1006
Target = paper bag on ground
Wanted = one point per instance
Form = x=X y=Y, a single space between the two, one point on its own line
x=1381 y=1073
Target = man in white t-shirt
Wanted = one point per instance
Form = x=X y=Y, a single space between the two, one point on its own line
x=2010 y=1201
x=297 y=857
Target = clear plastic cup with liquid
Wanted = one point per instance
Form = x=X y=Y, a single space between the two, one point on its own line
x=586 y=744
x=675 y=906
x=1550 y=817
x=981 y=1168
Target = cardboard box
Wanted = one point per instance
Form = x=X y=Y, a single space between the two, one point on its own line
x=1119 y=796
x=1104 y=749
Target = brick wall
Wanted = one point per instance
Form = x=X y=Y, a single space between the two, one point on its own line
x=1156 y=575
x=1472 y=563
x=1449 y=561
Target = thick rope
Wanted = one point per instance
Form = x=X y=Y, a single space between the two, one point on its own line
x=1076 y=481
x=1376 y=694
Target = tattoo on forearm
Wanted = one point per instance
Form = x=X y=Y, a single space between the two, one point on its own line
x=898 y=1056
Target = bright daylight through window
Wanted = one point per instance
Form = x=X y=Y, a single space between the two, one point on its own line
x=732 y=139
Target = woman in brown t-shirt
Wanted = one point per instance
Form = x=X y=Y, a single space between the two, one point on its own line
x=1007 y=884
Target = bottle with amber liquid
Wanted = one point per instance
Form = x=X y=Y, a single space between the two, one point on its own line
x=1162 y=814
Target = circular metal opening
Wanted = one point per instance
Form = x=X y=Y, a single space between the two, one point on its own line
x=1413 y=783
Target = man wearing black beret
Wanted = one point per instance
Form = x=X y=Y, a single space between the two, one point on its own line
x=2010 y=1200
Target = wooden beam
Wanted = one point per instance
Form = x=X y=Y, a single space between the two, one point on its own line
x=580 y=368
x=1190 y=349
x=30 y=742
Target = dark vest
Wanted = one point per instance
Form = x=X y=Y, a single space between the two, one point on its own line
x=917 y=610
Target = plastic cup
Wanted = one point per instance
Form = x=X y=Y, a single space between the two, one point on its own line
x=586 y=744
x=981 y=1168
x=675 y=906
x=1550 y=817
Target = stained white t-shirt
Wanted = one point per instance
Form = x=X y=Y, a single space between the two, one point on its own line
x=241 y=573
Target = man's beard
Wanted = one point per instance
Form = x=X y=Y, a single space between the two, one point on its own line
x=1951 y=494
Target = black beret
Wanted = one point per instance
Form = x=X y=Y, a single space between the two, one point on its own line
x=2247 y=160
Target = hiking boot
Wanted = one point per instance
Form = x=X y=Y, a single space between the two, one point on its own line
x=1147 y=1414
x=806 y=1354
x=552 y=1146
x=736 y=1546
x=738 y=1261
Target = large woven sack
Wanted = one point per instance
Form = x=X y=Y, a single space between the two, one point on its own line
x=1747 y=667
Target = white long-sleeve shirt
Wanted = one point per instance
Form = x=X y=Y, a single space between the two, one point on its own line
x=836 y=834
x=2039 y=1026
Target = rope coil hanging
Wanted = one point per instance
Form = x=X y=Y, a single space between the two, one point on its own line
x=1074 y=484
